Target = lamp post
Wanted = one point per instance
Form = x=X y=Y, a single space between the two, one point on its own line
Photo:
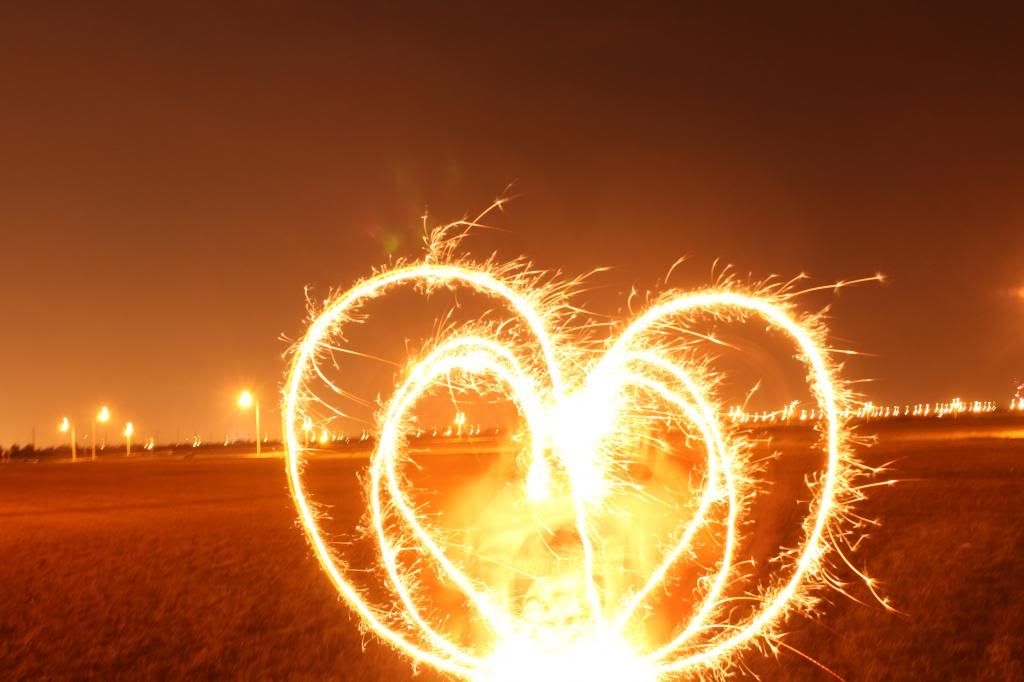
x=103 y=416
x=129 y=429
x=245 y=401
x=67 y=427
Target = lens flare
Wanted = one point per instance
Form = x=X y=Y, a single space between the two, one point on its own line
x=585 y=405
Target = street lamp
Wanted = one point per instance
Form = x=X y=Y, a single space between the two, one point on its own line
x=129 y=429
x=103 y=417
x=245 y=401
x=67 y=427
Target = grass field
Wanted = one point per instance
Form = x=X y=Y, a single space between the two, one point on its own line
x=194 y=568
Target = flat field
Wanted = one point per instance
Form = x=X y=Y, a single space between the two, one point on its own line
x=175 y=568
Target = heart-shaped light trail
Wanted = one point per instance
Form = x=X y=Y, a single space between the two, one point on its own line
x=575 y=401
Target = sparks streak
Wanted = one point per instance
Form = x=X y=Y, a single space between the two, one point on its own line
x=583 y=409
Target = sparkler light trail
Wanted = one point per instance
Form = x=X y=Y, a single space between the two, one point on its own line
x=587 y=406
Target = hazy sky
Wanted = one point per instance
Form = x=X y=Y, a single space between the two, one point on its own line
x=173 y=178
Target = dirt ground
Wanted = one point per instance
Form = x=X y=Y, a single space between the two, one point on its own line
x=194 y=568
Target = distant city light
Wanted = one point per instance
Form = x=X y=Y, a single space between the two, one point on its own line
x=869 y=410
x=129 y=429
x=246 y=400
x=67 y=427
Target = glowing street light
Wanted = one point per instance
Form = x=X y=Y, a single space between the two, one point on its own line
x=245 y=401
x=67 y=427
x=103 y=416
x=129 y=429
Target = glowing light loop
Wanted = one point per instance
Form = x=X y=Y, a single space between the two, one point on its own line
x=565 y=438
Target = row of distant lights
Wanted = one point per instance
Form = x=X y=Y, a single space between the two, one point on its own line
x=102 y=417
x=245 y=401
x=793 y=412
x=457 y=429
